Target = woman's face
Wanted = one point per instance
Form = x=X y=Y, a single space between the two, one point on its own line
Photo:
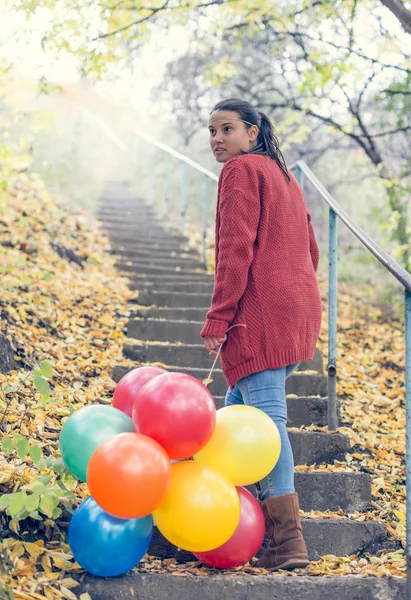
x=229 y=135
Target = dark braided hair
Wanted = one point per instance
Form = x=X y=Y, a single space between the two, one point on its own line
x=267 y=141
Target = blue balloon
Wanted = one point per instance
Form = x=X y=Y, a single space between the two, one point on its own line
x=104 y=545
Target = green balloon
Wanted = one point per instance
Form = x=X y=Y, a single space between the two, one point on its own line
x=85 y=430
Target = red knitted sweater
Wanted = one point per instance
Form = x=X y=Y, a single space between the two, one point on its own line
x=266 y=261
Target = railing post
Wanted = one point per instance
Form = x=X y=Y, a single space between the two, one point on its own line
x=167 y=185
x=408 y=437
x=183 y=195
x=205 y=216
x=300 y=176
x=332 y=324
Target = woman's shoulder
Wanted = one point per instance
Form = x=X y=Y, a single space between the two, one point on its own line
x=245 y=160
x=255 y=170
x=244 y=164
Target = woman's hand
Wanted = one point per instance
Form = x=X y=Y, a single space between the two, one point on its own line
x=212 y=343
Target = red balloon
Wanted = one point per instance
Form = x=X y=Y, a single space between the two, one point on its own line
x=177 y=411
x=129 y=386
x=245 y=541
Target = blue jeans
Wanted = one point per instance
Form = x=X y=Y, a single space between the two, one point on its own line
x=266 y=390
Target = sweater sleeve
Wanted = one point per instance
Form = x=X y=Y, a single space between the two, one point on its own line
x=314 y=250
x=239 y=215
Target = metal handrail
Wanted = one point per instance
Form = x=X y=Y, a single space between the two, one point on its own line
x=335 y=210
x=179 y=155
x=185 y=160
x=385 y=259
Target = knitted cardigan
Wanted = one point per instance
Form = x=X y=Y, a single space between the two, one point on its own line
x=266 y=257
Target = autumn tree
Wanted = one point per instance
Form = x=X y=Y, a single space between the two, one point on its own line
x=329 y=69
x=344 y=65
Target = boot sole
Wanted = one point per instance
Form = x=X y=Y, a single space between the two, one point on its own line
x=288 y=565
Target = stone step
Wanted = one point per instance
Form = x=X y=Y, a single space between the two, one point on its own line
x=185 y=287
x=146 y=227
x=185 y=262
x=146 y=237
x=177 y=314
x=311 y=410
x=115 y=195
x=123 y=214
x=125 y=206
x=188 y=333
x=150 y=269
x=143 y=230
x=143 y=251
x=142 y=221
x=167 y=242
x=316 y=447
x=112 y=198
x=158 y=586
x=187 y=354
x=332 y=490
x=165 y=331
x=307 y=410
x=193 y=355
x=173 y=299
x=298 y=384
x=339 y=537
x=150 y=246
x=144 y=241
x=162 y=262
x=174 y=277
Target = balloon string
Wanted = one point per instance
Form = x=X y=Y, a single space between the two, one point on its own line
x=218 y=353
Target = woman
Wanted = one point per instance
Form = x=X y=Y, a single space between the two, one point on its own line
x=265 y=282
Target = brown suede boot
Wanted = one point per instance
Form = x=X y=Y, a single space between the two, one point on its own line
x=287 y=549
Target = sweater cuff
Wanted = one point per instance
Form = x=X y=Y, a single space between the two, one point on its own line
x=217 y=328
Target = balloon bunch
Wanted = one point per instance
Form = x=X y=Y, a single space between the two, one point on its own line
x=163 y=451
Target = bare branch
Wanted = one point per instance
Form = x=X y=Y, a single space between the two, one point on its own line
x=369 y=150
x=401 y=92
x=390 y=132
x=299 y=34
x=308 y=7
x=138 y=22
x=154 y=11
x=364 y=89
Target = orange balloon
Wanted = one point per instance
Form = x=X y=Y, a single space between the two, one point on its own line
x=129 y=475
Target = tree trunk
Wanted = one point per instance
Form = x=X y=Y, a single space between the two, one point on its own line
x=400 y=11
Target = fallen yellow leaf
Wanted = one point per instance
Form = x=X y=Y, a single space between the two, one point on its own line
x=34 y=548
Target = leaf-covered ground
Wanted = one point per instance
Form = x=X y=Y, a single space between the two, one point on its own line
x=63 y=301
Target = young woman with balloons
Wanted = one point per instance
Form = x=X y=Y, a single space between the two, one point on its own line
x=265 y=313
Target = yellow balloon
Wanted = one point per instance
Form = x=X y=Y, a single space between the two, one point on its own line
x=245 y=445
x=202 y=509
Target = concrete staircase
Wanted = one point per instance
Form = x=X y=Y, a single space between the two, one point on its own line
x=175 y=290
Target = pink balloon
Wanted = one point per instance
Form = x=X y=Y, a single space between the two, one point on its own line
x=129 y=386
x=177 y=411
x=245 y=541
